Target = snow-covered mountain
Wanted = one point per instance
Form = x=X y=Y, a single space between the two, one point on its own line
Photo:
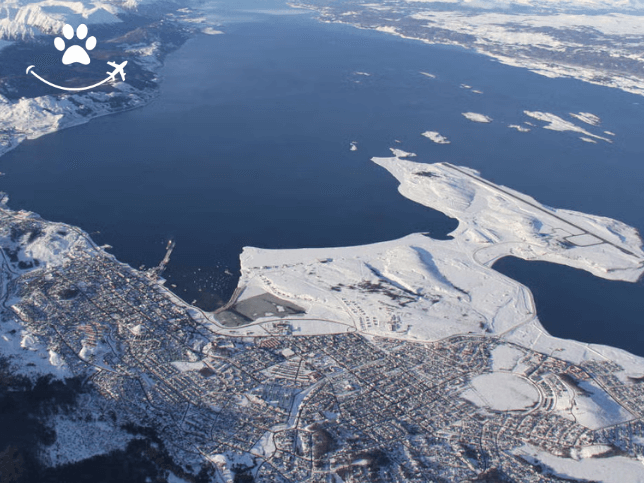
x=138 y=34
x=21 y=19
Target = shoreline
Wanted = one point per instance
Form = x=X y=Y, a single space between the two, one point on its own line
x=404 y=302
x=630 y=84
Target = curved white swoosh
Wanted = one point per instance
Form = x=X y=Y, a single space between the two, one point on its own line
x=67 y=88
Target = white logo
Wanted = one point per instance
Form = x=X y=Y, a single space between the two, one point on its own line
x=77 y=54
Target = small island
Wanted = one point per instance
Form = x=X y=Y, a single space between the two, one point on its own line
x=436 y=137
x=476 y=117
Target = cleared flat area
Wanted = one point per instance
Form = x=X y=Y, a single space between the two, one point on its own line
x=613 y=469
x=502 y=391
x=248 y=310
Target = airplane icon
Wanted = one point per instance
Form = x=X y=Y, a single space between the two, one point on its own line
x=118 y=69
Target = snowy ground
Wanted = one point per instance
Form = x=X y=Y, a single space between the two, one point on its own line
x=426 y=289
x=502 y=391
x=30 y=118
x=20 y=19
x=29 y=115
x=423 y=289
x=612 y=469
x=476 y=117
x=587 y=117
x=79 y=438
x=555 y=123
x=595 y=41
x=436 y=137
x=416 y=287
x=413 y=288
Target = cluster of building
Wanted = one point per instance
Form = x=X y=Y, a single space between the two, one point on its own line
x=300 y=408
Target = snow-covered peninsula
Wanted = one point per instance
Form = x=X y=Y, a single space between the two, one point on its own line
x=468 y=337
x=425 y=289
x=410 y=359
x=419 y=288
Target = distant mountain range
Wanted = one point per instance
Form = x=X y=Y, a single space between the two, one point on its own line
x=20 y=19
x=596 y=41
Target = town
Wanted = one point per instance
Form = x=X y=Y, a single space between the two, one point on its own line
x=296 y=408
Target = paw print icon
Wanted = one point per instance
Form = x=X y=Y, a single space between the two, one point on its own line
x=75 y=53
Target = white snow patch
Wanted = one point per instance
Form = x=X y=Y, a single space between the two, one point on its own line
x=436 y=137
x=587 y=117
x=598 y=410
x=584 y=240
x=473 y=116
x=399 y=153
x=509 y=36
x=26 y=19
x=613 y=469
x=30 y=118
x=265 y=447
x=78 y=439
x=590 y=451
x=555 y=123
x=211 y=31
x=505 y=358
x=185 y=366
x=32 y=363
x=493 y=222
x=55 y=359
x=502 y=391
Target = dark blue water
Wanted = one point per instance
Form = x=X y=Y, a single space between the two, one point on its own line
x=574 y=304
x=248 y=144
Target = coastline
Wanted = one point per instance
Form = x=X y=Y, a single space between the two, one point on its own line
x=424 y=324
x=150 y=354
x=463 y=35
x=414 y=294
